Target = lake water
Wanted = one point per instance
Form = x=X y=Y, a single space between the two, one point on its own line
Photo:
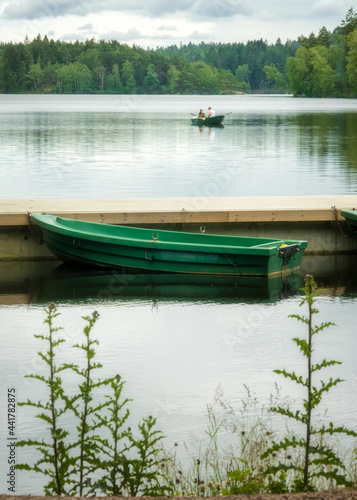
x=145 y=146
x=175 y=340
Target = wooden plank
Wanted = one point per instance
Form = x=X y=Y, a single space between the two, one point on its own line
x=181 y=210
x=183 y=217
x=283 y=216
x=127 y=217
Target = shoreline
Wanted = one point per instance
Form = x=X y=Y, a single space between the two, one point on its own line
x=339 y=494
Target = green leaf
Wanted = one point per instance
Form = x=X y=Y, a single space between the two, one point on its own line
x=299 y=318
x=331 y=429
x=324 y=364
x=292 y=376
x=321 y=327
x=300 y=417
x=304 y=347
x=288 y=442
x=316 y=394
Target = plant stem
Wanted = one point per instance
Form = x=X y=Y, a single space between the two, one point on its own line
x=115 y=456
x=84 y=419
x=53 y=412
x=309 y=395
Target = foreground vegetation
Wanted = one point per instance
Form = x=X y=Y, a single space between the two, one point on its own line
x=102 y=454
x=324 y=65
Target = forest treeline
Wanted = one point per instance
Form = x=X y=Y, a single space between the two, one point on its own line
x=323 y=65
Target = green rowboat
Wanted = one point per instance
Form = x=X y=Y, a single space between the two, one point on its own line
x=105 y=245
x=212 y=120
x=351 y=218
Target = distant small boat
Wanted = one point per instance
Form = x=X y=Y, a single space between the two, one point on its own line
x=105 y=245
x=212 y=120
x=351 y=218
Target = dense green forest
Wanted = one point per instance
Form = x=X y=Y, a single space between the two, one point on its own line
x=323 y=65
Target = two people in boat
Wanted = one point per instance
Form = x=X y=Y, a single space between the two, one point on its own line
x=211 y=112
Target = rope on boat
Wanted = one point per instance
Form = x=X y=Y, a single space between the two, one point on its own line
x=344 y=234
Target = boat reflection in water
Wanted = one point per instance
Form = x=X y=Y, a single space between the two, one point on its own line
x=66 y=283
x=43 y=282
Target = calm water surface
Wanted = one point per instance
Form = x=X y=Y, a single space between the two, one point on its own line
x=175 y=340
x=145 y=146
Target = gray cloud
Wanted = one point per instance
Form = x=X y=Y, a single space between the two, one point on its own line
x=327 y=8
x=167 y=28
x=36 y=9
x=123 y=36
x=27 y=9
x=197 y=35
x=69 y=37
x=132 y=36
x=287 y=14
x=221 y=8
x=86 y=27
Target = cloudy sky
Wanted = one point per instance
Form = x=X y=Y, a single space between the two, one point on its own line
x=152 y=23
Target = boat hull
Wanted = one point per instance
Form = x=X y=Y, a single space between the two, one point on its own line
x=104 y=245
x=214 y=120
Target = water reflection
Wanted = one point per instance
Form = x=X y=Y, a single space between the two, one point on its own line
x=336 y=275
x=208 y=130
x=66 y=283
x=40 y=283
x=328 y=136
x=323 y=136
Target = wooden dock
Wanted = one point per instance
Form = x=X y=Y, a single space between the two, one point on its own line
x=182 y=210
x=316 y=219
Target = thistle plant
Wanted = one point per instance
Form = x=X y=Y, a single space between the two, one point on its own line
x=55 y=461
x=319 y=460
x=243 y=481
x=101 y=446
x=143 y=472
x=82 y=406
x=113 y=449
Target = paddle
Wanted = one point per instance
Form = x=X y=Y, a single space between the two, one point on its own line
x=194 y=115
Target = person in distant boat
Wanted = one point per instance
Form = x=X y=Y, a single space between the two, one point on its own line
x=211 y=112
x=201 y=115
